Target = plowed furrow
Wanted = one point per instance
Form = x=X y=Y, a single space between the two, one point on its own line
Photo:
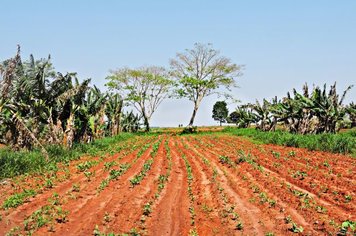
x=16 y=216
x=171 y=214
x=84 y=210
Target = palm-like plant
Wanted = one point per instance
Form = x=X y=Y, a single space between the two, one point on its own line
x=39 y=106
x=113 y=112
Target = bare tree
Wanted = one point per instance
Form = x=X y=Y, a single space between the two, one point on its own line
x=145 y=88
x=200 y=72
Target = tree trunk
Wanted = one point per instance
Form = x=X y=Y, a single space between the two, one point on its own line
x=196 y=106
x=146 y=123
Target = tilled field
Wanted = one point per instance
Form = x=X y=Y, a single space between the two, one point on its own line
x=213 y=184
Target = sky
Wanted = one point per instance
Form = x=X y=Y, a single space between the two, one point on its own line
x=282 y=43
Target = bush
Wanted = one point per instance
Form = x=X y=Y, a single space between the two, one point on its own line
x=190 y=130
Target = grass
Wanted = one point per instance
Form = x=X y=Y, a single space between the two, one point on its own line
x=344 y=143
x=21 y=162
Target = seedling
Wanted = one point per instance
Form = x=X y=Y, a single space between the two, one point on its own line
x=76 y=188
x=291 y=153
x=296 y=229
x=269 y=234
x=348 y=198
x=147 y=209
x=88 y=175
x=347 y=225
x=239 y=225
x=276 y=154
x=48 y=183
x=107 y=217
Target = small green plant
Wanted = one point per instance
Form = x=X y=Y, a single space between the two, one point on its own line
x=269 y=234
x=276 y=154
x=55 y=200
x=75 y=187
x=107 y=217
x=321 y=209
x=225 y=160
x=291 y=153
x=239 y=225
x=89 y=175
x=84 y=166
x=348 y=198
x=193 y=232
x=138 y=178
x=347 y=225
x=18 y=198
x=103 y=185
x=49 y=183
x=296 y=229
x=147 y=210
x=288 y=219
x=109 y=165
x=96 y=231
x=299 y=175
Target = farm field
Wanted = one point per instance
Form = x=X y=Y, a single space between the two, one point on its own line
x=169 y=184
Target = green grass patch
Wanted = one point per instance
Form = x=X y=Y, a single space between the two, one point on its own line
x=344 y=143
x=21 y=162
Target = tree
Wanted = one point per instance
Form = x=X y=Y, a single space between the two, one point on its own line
x=144 y=88
x=200 y=72
x=220 y=111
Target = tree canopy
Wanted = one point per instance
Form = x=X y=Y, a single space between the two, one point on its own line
x=201 y=72
x=220 y=111
x=144 y=88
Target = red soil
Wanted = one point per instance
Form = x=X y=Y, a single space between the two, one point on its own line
x=206 y=184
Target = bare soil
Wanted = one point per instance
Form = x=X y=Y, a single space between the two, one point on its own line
x=214 y=184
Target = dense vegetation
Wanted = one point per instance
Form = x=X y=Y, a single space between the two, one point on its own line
x=321 y=111
x=39 y=107
x=337 y=143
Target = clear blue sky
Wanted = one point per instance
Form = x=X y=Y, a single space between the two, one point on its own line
x=282 y=43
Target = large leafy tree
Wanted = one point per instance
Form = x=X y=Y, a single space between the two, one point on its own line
x=200 y=72
x=144 y=88
x=220 y=111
